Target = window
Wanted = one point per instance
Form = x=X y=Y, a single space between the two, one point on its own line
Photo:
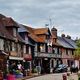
x=35 y=47
x=60 y=51
x=66 y=52
x=29 y=50
x=27 y=65
x=1 y=44
x=26 y=39
x=13 y=46
x=14 y=32
x=49 y=49
x=24 y=48
x=6 y=47
x=42 y=48
x=72 y=52
x=55 y=50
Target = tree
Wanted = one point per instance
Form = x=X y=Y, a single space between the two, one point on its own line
x=78 y=43
x=77 y=51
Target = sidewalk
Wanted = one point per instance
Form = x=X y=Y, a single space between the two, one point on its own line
x=73 y=76
x=27 y=77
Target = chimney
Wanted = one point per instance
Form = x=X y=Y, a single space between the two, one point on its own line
x=68 y=37
x=63 y=35
x=54 y=31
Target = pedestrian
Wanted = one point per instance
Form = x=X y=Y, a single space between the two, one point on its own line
x=13 y=68
x=20 y=67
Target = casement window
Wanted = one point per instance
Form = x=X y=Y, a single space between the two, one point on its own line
x=35 y=47
x=42 y=48
x=24 y=49
x=29 y=50
x=26 y=38
x=16 y=47
x=66 y=51
x=13 y=46
x=14 y=32
x=72 y=52
x=1 y=44
x=6 y=47
x=55 y=50
x=60 y=51
x=49 y=49
x=19 y=49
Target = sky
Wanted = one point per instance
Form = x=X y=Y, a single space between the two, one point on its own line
x=63 y=14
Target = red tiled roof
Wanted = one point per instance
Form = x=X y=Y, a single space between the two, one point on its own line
x=33 y=35
x=31 y=30
x=41 y=31
x=9 y=22
x=3 y=32
x=35 y=38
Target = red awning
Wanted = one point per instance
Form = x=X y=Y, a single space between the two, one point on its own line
x=28 y=57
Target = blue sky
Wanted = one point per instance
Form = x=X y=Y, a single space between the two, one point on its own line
x=64 y=14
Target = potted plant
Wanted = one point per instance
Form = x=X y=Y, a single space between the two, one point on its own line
x=35 y=71
x=18 y=74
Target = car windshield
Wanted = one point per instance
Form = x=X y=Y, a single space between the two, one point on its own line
x=61 y=65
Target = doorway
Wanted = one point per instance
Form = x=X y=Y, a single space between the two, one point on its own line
x=46 y=65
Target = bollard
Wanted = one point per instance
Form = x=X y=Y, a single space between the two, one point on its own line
x=64 y=77
x=69 y=76
x=79 y=75
x=11 y=77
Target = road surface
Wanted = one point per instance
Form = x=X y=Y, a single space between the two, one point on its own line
x=53 y=77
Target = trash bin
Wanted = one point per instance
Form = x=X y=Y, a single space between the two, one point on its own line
x=79 y=75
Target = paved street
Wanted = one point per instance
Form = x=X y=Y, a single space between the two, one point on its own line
x=53 y=77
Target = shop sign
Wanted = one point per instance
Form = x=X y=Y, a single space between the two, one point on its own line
x=45 y=55
x=13 y=53
x=49 y=55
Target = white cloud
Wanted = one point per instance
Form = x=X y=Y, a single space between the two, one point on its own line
x=64 y=13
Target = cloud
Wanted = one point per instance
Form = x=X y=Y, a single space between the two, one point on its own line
x=65 y=14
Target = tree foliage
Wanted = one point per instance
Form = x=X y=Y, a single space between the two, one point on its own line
x=78 y=43
x=77 y=51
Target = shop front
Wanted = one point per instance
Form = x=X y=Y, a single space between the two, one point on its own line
x=28 y=62
x=45 y=62
x=3 y=64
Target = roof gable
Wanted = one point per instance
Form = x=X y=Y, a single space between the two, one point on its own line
x=40 y=31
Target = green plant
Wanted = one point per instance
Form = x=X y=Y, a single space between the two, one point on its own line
x=35 y=70
x=18 y=71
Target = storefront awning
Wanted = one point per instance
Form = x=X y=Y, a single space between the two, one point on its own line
x=3 y=53
x=28 y=57
x=15 y=58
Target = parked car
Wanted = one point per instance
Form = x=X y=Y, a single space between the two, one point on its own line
x=60 y=68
